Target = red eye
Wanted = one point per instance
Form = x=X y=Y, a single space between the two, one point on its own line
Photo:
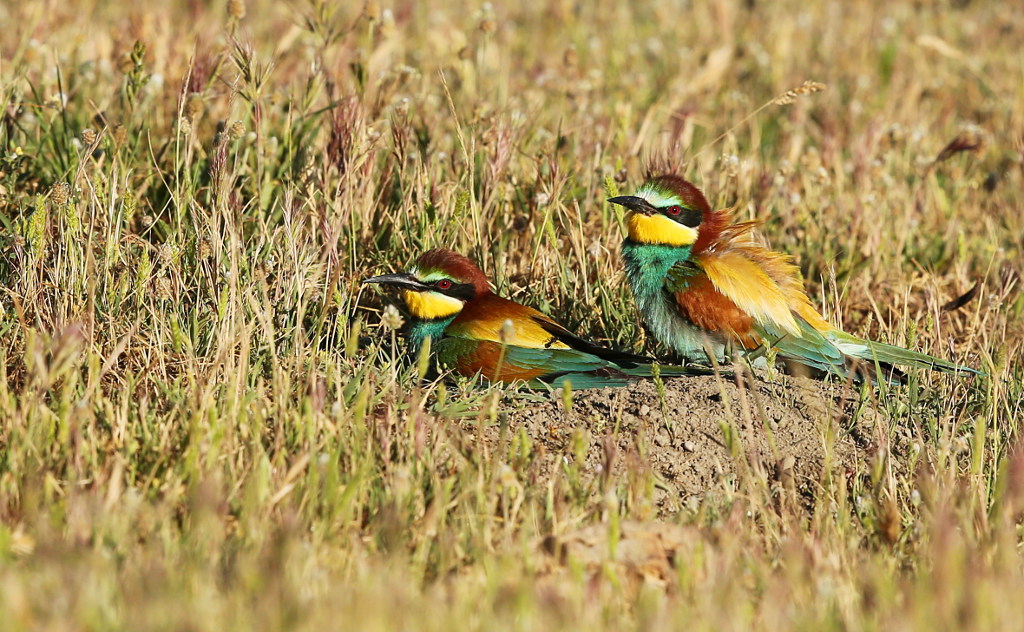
x=675 y=210
x=444 y=284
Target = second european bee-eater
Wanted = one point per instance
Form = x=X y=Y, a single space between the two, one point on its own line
x=703 y=285
x=472 y=330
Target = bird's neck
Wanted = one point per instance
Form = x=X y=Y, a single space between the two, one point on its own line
x=647 y=265
x=420 y=329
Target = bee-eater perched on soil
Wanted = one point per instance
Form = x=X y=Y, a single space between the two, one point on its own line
x=475 y=331
x=704 y=286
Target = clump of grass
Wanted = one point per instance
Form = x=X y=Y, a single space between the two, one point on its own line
x=204 y=426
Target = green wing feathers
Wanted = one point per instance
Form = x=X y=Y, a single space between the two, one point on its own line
x=811 y=347
x=552 y=365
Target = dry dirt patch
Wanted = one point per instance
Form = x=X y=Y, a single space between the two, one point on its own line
x=697 y=433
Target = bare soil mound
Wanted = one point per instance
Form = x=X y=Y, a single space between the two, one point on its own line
x=696 y=433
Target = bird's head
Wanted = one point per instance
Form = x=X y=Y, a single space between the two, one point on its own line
x=666 y=210
x=439 y=284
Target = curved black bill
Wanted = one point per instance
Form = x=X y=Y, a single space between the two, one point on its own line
x=402 y=280
x=634 y=203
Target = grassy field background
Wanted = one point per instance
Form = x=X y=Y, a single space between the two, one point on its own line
x=205 y=426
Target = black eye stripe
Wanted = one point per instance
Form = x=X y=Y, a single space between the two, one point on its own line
x=688 y=216
x=461 y=291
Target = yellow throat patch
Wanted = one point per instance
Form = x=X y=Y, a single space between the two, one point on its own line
x=430 y=305
x=658 y=229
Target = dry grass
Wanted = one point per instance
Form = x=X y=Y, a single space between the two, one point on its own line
x=201 y=428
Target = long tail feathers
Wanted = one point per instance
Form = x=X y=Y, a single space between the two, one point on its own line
x=891 y=356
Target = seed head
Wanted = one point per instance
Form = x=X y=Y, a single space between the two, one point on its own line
x=731 y=165
x=237 y=130
x=204 y=250
x=507 y=476
x=391 y=318
x=387 y=23
x=88 y=136
x=402 y=106
x=488 y=26
x=60 y=193
x=807 y=87
x=508 y=331
x=162 y=288
x=193 y=106
x=36 y=228
x=236 y=9
x=165 y=254
x=129 y=204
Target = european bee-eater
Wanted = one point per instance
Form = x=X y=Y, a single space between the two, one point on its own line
x=704 y=286
x=473 y=331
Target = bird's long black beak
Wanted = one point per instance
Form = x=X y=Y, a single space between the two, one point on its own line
x=402 y=280
x=634 y=203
